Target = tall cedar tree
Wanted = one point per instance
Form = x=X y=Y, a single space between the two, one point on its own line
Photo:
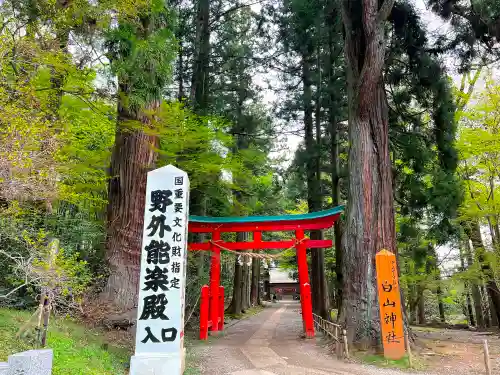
x=141 y=50
x=374 y=131
x=236 y=98
x=300 y=25
x=370 y=203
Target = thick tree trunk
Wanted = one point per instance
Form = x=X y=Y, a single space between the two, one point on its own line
x=478 y=306
x=442 y=315
x=421 y=304
x=318 y=284
x=433 y=267
x=236 y=303
x=335 y=152
x=476 y=293
x=412 y=303
x=254 y=293
x=267 y=285
x=486 y=307
x=469 y=311
x=493 y=219
x=133 y=156
x=318 y=255
x=259 y=291
x=370 y=205
x=180 y=72
x=249 y=283
x=473 y=230
x=468 y=308
x=493 y=316
x=245 y=295
x=199 y=81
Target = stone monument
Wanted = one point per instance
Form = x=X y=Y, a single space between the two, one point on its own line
x=159 y=348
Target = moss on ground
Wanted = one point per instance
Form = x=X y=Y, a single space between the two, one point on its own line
x=378 y=360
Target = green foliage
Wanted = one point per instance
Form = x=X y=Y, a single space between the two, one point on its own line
x=142 y=42
x=479 y=147
x=27 y=254
x=54 y=161
x=423 y=128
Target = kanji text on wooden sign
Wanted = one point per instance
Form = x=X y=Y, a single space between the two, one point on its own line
x=391 y=318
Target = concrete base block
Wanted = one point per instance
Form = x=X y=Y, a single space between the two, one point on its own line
x=158 y=364
x=32 y=362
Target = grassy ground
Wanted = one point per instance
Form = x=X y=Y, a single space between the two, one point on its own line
x=380 y=361
x=78 y=350
x=249 y=312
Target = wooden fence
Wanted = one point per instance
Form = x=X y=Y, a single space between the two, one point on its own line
x=336 y=332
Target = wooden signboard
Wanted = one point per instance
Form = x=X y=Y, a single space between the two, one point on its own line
x=391 y=315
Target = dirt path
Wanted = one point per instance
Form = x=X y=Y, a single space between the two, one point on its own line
x=457 y=351
x=269 y=343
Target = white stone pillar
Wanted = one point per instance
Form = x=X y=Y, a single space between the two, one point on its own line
x=159 y=348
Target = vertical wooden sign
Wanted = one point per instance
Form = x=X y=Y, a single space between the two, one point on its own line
x=391 y=315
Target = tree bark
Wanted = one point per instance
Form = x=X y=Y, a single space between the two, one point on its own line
x=493 y=219
x=254 y=294
x=245 y=289
x=318 y=255
x=412 y=303
x=370 y=207
x=435 y=268
x=267 y=285
x=493 y=316
x=473 y=231
x=199 y=81
x=259 y=291
x=236 y=302
x=133 y=156
x=468 y=307
x=318 y=285
x=421 y=304
x=180 y=69
x=476 y=293
x=335 y=150
x=486 y=307
x=469 y=311
x=442 y=315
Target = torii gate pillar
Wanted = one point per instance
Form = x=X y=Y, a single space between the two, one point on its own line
x=214 y=283
x=305 y=287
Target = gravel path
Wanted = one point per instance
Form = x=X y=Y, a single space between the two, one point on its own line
x=269 y=343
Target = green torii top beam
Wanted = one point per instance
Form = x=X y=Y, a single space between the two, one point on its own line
x=310 y=221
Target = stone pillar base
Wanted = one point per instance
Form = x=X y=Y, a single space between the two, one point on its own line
x=158 y=364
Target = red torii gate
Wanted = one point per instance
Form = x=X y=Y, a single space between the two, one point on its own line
x=212 y=297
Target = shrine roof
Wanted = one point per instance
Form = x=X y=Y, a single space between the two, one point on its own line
x=262 y=219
